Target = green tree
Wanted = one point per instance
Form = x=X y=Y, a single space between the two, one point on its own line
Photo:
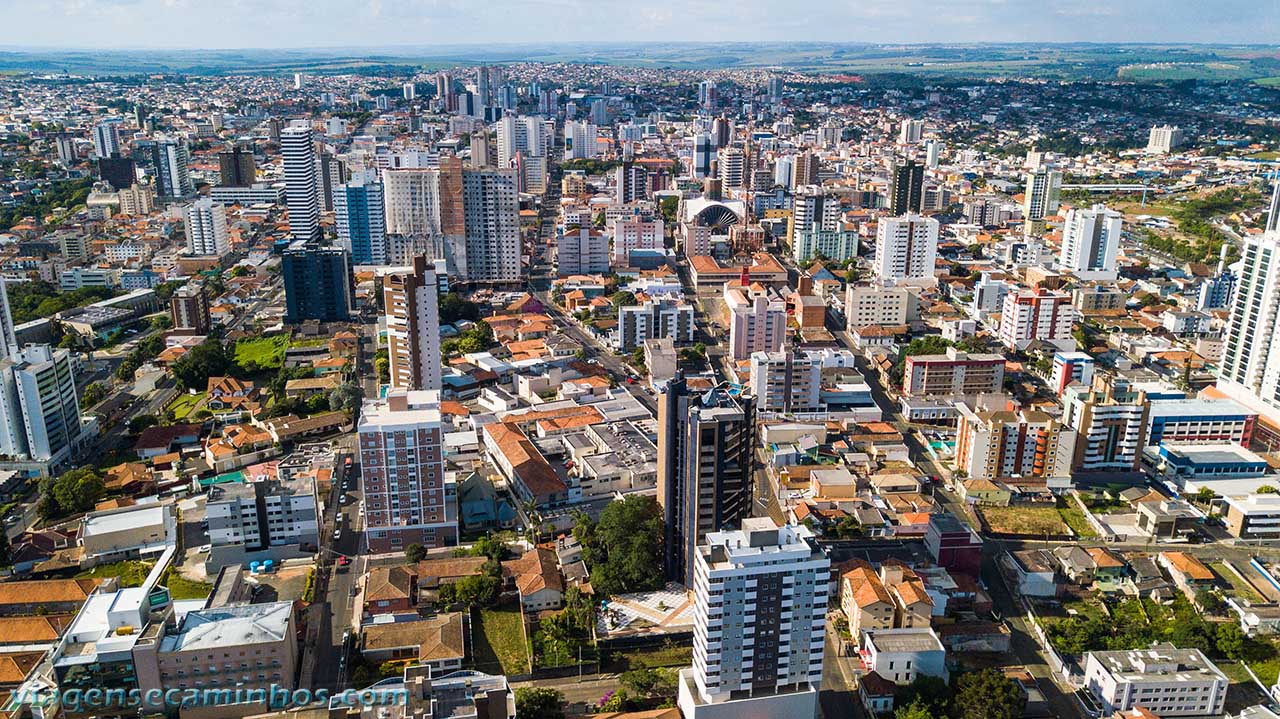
x=415 y=553
x=6 y=552
x=74 y=491
x=624 y=552
x=539 y=703
x=915 y=710
x=141 y=422
x=92 y=395
x=929 y=693
x=987 y=694
x=622 y=299
x=346 y=397
x=1266 y=489
x=453 y=308
x=208 y=359
x=927 y=345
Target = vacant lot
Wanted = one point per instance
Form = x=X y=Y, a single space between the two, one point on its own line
x=264 y=352
x=183 y=405
x=1024 y=520
x=500 y=645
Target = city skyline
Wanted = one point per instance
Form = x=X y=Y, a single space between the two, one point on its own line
x=378 y=25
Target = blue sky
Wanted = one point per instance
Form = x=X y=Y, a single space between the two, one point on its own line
x=371 y=23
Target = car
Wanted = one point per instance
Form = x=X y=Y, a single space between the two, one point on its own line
x=204 y=548
x=631 y=380
x=344 y=561
x=337 y=534
x=346 y=499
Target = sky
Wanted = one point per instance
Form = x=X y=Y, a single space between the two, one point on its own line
x=168 y=24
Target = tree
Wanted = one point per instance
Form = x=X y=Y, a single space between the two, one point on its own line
x=624 y=548
x=478 y=590
x=346 y=397
x=453 y=308
x=622 y=299
x=208 y=359
x=6 y=552
x=415 y=553
x=929 y=693
x=987 y=694
x=1205 y=495
x=71 y=492
x=160 y=323
x=141 y=422
x=539 y=703
x=1266 y=489
x=649 y=682
x=915 y=710
x=1230 y=641
x=927 y=345
x=92 y=395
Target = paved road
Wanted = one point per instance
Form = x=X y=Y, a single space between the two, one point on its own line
x=586 y=691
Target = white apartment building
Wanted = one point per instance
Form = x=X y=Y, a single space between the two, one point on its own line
x=206 y=226
x=583 y=251
x=411 y=301
x=786 y=382
x=906 y=248
x=910 y=131
x=39 y=407
x=1030 y=316
x=814 y=209
x=757 y=321
x=1041 y=197
x=838 y=245
x=877 y=305
x=297 y=146
x=1090 y=240
x=580 y=140
x=654 y=319
x=731 y=164
x=106 y=138
x=407 y=498
x=261 y=515
x=1164 y=138
x=1250 y=368
x=1163 y=679
x=635 y=234
x=760 y=602
x=523 y=135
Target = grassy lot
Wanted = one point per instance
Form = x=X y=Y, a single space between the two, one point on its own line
x=1075 y=519
x=131 y=573
x=182 y=588
x=1024 y=520
x=666 y=656
x=1267 y=670
x=183 y=405
x=1239 y=587
x=265 y=352
x=499 y=642
x=1268 y=155
x=310 y=342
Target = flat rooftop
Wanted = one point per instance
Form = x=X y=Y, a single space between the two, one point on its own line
x=133 y=518
x=901 y=641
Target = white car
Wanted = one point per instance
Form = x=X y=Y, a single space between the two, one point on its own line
x=204 y=548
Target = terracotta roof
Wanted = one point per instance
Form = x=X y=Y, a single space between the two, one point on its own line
x=14 y=668
x=388 y=584
x=1188 y=566
x=527 y=463
x=1103 y=558
x=47 y=591
x=866 y=587
x=536 y=570
x=437 y=639
x=35 y=629
x=913 y=593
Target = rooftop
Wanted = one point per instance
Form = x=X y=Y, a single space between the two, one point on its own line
x=897 y=641
x=230 y=627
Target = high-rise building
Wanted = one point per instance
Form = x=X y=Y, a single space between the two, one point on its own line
x=805 y=170
x=411 y=298
x=1090 y=240
x=775 y=88
x=1250 y=366
x=137 y=200
x=932 y=153
x=702 y=154
x=1001 y=445
x=631 y=183
x=317 y=282
x=910 y=131
x=65 y=146
x=706 y=451
x=491 y=208
x=407 y=499
x=360 y=219
x=520 y=135
x=106 y=138
x=1165 y=138
x=635 y=234
x=786 y=382
x=783 y=172
x=708 y=95
x=732 y=164
x=655 y=318
x=759 y=616
x=599 y=112
x=189 y=309
x=236 y=167
x=297 y=146
x=170 y=160
x=1041 y=198
x=1042 y=316
x=121 y=172
x=906 y=187
x=580 y=140
x=1069 y=367
x=906 y=248
x=721 y=132
x=1111 y=427
x=814 y=210
x=331 y=174
x=757 y=321
x=8 y=338
x=409 y=91
x=582 y=251
x=39 y=408
x=205 y=223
